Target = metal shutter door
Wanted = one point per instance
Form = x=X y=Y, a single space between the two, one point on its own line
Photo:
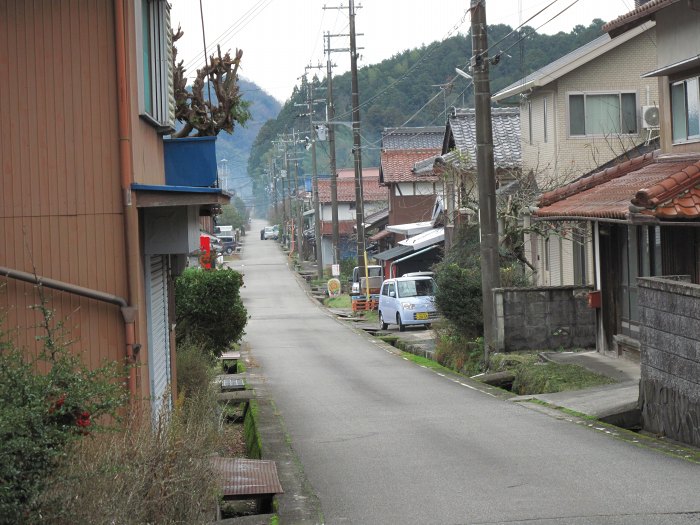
x=158 y=334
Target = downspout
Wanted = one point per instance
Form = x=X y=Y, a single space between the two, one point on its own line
x=126 y=177
x=127 y=311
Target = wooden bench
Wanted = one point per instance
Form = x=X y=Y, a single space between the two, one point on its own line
x=248 y=479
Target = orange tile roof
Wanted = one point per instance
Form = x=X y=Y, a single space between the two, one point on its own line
x=597 y=178
x=371 y=190
x=667 y=188
x=677 y=197
x=397 y=165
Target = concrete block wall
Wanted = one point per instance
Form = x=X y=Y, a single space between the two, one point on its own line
x=670 y=358
x=544 y=318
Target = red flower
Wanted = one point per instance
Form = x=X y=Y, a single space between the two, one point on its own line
x=83 y=419
x=56 y=405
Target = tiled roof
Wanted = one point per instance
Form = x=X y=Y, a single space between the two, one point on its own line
x=597 y=178
x=505 y=123
x=677 y=197
x=371 y=190
x=666 y=188
x=635 y=17
x=397 y=165
x=413 y=138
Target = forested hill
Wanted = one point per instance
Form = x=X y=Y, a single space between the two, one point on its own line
x=236 y=147
x=408 y=85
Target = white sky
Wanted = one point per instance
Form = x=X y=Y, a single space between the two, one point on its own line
x=280 y=37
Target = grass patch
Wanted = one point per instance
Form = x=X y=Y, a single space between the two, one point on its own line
x=252 y=439
x=342 y=301
x=370 y=316
x=424 y=361
x=535 y=376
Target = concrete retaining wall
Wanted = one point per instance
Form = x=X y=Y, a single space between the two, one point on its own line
x=670 y=357
x=544 y=318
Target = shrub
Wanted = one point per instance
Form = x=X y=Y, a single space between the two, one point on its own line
x=195 y=369
x=150 y=473
x=209 y=309
x=42 y=414
x=457 y=352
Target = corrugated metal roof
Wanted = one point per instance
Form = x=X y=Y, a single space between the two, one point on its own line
x=242 y=477
x=393 y=253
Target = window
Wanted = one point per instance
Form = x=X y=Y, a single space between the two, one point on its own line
x=602 y=114
x=685 y=109
x=156 y=98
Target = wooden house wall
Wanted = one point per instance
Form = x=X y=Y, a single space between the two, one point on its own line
x=61 y=205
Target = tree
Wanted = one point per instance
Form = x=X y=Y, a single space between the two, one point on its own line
x=209 y=117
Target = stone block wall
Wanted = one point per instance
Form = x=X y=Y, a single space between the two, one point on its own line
x=544 y=318
x=670 y=357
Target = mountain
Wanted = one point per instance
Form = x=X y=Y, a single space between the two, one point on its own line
x=412 y=88
x=235 y=148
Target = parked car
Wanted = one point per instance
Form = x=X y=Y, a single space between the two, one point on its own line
x=407 y=301
x=270 y=233
x=228 y=244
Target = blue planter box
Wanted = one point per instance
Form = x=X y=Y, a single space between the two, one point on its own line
x=190 y=162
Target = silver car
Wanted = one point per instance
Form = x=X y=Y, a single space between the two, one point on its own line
x=407 y=301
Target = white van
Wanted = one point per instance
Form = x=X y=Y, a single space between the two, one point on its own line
x=407 y=301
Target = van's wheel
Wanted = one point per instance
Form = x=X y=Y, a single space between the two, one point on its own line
x=228 y=251
x=382 y=324
x=402 y=327
x=428 y=326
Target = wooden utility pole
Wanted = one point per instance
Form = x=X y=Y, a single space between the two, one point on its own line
x=331 y=146
x=317 y=211
x=357 y=142
x=488 y=224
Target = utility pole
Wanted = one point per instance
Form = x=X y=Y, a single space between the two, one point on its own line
x=300 y=203
x=359 y=205
x=488 y=224
x=317 y=216
x=330 y=110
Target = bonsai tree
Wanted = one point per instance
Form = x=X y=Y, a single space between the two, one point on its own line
x=203 y=115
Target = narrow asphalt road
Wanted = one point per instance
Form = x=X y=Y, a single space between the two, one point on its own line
x=383 y=441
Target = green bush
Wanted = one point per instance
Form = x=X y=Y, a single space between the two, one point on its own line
x=209 y=309
x=41 y=414
x=459 y=353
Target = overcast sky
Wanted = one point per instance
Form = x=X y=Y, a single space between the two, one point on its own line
x=280 y=37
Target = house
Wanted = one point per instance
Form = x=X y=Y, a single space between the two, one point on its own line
x=374 y=200
x=644 y=216
x=579 y=113
x=456 y=164
x=411 y=196
x=88 y=202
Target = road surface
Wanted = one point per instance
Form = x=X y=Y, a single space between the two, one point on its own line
x=383 y=441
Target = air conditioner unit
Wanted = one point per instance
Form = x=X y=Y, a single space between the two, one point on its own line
x=650 y=117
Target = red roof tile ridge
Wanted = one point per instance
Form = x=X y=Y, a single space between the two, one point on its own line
x=637 y=13
x=598 y=178
x=668 y=188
